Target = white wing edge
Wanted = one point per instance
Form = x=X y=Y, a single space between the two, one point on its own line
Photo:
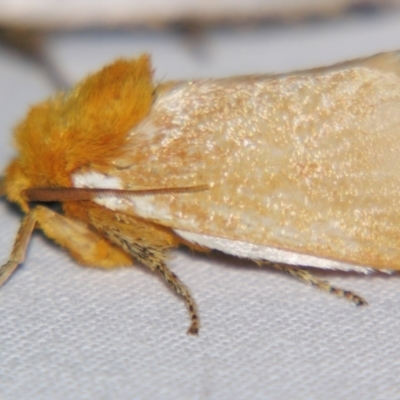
x=259 y=252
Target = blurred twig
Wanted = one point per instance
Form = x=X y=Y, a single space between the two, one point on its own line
x=29 y=44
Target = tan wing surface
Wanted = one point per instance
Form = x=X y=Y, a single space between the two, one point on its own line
x=307 y=162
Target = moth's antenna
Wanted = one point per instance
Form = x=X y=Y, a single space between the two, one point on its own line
x=48 y=194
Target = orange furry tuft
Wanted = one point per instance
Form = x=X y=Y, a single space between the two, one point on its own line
x=86 y=126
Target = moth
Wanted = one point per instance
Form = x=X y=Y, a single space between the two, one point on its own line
x=293 y=170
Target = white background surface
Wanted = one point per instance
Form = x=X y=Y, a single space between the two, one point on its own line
x=68 y=332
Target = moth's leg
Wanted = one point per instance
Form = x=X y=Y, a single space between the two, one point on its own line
x=154 y=258
x=19 y=249
x=90 y=248
x=305 y=276
x=147 y=243
x=85 y=245
x=179 y=287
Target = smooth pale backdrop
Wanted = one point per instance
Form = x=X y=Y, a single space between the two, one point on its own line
x=68 y=332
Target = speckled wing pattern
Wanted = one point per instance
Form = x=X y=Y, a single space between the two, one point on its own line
x=306 y=162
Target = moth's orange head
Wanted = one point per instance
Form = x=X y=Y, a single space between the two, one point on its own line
x=85 y=127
